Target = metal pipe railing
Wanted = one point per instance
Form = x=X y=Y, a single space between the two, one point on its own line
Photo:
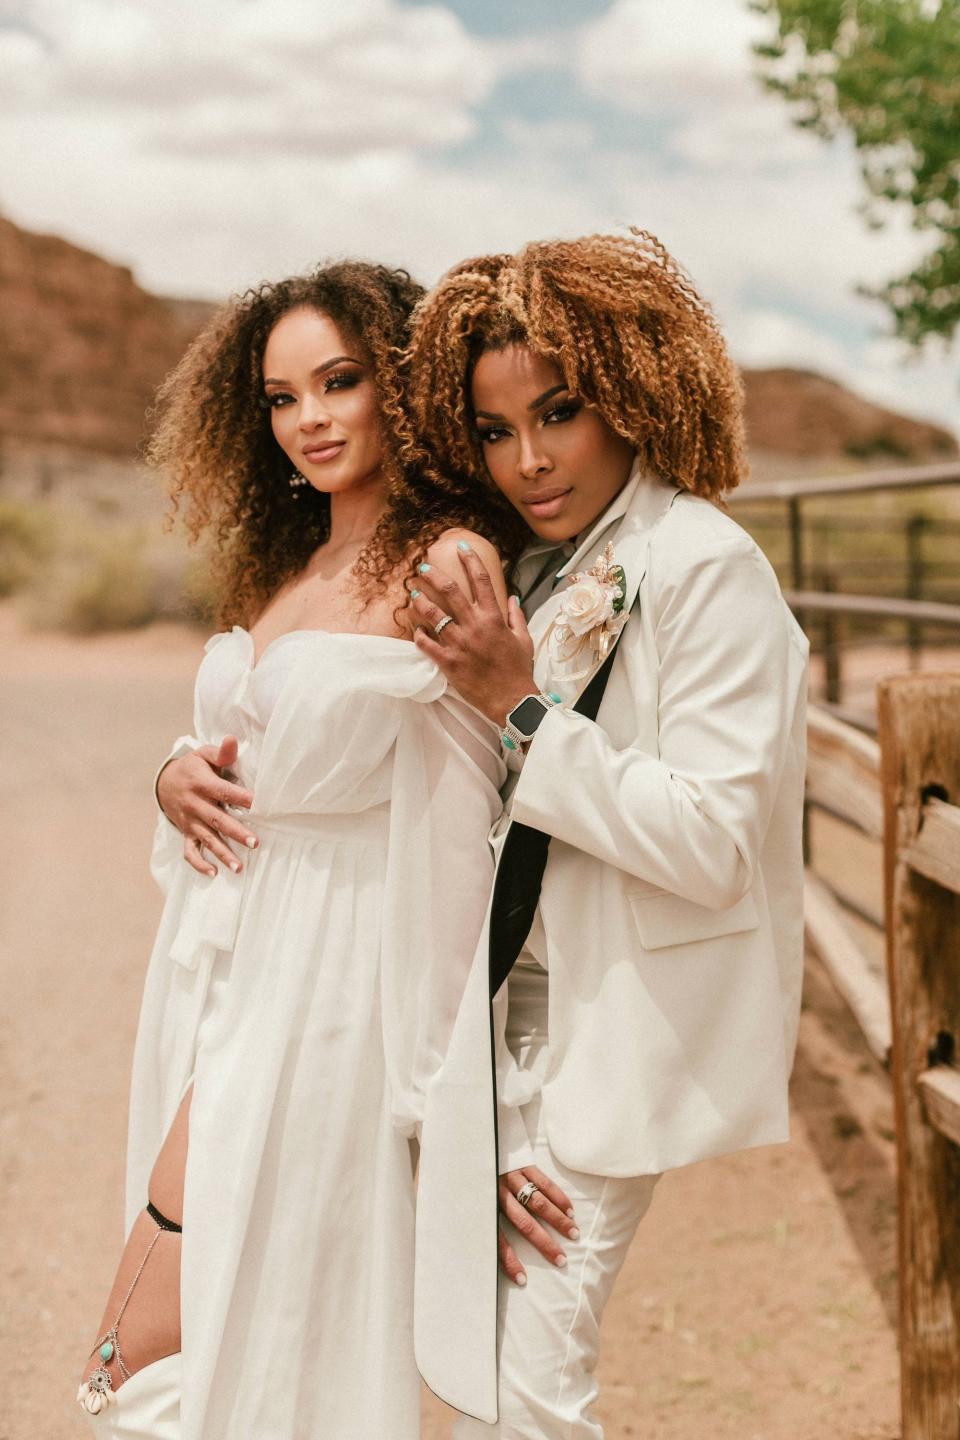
x=916 y=477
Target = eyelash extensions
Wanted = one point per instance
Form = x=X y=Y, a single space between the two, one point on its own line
x=339 y=380
x=560 y=413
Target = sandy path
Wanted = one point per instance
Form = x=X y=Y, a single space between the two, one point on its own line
x=756 y=1301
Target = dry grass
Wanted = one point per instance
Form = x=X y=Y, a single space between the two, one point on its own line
x=84 y=573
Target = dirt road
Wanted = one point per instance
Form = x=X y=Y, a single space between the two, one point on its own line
x=756 y=1303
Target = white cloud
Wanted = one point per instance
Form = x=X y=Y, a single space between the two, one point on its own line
x=764 y=338
x=749 y=135
x=642 y=52
x=256 y=74
x=691 y=65
x=926 y=383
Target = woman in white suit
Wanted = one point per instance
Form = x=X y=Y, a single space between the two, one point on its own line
x=653 y=716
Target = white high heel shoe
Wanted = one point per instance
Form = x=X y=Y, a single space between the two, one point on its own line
x=146 y=1407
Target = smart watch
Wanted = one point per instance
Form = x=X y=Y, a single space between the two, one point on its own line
x=524 y=719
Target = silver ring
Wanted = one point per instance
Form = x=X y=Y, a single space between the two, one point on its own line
x=447 y=620
x=527 y=1193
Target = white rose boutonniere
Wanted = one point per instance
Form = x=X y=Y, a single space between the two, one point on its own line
x=590 y=617
x=587 y=604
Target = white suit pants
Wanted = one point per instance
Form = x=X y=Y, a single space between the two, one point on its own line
x=549 y=1331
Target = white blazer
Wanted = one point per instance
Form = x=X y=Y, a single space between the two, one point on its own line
x=671 y=906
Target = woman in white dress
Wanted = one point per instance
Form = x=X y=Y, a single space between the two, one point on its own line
x=297 y=1004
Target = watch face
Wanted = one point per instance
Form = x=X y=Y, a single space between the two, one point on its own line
x=528 y=714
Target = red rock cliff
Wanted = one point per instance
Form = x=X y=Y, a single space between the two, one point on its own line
x=82 y=346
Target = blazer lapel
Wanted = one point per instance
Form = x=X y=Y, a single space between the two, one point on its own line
x=520 y=865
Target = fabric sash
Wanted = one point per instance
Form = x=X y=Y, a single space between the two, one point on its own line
x=523 y=860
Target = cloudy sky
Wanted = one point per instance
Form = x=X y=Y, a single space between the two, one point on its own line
x=213 y=143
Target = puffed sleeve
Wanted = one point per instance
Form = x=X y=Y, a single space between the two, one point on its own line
x=167 y=849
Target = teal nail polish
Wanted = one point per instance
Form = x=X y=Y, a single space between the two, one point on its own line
x=414 y=594
x=424 y=569
x=464 y=547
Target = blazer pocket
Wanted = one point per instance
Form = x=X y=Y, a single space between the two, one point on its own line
x=663 y=919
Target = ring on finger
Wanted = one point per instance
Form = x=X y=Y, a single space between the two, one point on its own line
x=437 y=629
x=526 y=1194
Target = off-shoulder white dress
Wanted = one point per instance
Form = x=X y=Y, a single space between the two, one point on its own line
x=309 y=1001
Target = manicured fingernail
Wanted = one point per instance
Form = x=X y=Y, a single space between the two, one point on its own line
x=414 y=594
x=235 y=866
x=424 y=569
x=569 y=1214
x=574 y=1233
x=521 y=1281
x=560 y=1261
x=251 y=842
x=465 y=547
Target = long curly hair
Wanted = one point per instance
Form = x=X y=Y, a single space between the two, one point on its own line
x=626 y=327
x=229 y=479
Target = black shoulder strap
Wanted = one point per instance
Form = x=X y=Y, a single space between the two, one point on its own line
x=523 y=859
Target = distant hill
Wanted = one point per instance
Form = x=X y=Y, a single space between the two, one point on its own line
x=801 y=414
x=83 y=348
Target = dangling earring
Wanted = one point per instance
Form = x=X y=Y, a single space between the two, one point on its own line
x=296 y=480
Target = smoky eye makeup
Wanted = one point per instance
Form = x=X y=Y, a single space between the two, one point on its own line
x=563 y=410
x=342 y=380
x=274 y=400
x=488 y=434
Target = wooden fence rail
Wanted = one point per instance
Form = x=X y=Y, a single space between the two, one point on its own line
x=904 y=790
x=898 y=544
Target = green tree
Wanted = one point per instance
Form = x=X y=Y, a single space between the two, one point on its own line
x=886 y=72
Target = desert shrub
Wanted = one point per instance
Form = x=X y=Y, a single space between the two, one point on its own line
x=28 y=537
x=199 y=596
x=181 y=580
x=97 y=581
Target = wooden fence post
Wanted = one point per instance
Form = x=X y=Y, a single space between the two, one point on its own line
x=795 y=531
x=915 y=530
x=830 y=639
x=919 y=720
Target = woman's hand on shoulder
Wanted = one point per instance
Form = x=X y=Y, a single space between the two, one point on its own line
x=447 y=553
x=193 y=792
x=443 y=557
x=467 y=625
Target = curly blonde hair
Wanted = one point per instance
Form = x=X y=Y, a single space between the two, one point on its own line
x=229 y=478
x=626 y=327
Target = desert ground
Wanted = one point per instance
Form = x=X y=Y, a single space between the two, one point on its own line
x=759 y=1298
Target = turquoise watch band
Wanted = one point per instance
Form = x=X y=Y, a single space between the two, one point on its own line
x=519 y=730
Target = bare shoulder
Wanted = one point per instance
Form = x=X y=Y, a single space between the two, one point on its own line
x=445 y=553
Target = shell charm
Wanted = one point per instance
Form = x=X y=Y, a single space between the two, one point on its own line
x=96 y=1393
